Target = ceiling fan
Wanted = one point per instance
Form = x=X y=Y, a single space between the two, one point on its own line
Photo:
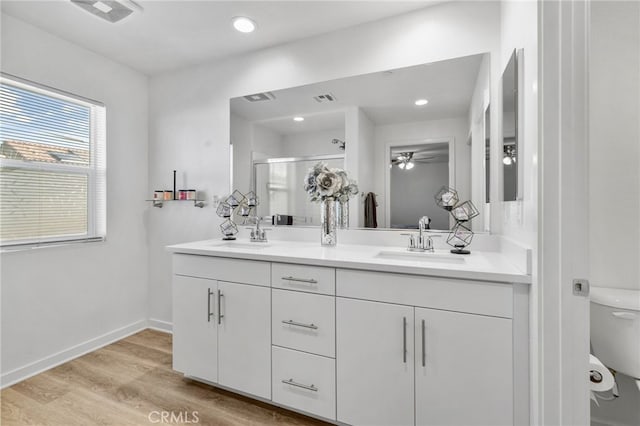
x=407 y=160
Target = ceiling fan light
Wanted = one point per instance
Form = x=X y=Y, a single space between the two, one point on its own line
x=401 y=165
x=409 y=165
x=507 y=160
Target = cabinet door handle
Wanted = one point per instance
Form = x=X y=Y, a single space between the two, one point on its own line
x=404 y=339
x=424 y=344
x=299 y=324
x=209 y=313
x=220 y=316
x=300 y=280
x=290 y=382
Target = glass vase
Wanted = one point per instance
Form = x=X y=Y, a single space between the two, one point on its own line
x=328 y=234
x=343 y=214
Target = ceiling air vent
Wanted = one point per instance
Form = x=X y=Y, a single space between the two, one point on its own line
x=258 y=97
x=109 y=10
x=325 y=98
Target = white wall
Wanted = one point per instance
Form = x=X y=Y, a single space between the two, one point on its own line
x=456 y=128
x=189 y=109
x=614 y=169
x=58 y=297
x=614 y=144
x=366 y=167
x=517 y=219
x=312 y=143
x=479 y=101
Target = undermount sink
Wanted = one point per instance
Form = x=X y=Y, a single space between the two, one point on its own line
x=425 y=256
x=241 y=245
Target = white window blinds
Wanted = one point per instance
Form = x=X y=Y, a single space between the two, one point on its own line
x=52 y=166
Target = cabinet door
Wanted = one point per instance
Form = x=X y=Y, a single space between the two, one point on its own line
x=463 y=369
x=374 y=362
x=195 y=348
x=244 y=338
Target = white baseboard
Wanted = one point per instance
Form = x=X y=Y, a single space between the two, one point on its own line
x=19 y=374
x=159 y=325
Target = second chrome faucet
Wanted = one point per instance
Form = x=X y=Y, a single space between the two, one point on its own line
x=423 y=242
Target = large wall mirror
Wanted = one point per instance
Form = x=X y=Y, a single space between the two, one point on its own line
x=401 y=133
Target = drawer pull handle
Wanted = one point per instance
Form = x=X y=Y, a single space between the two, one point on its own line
x=301 y=280
x=290 y=382
x=299 y=324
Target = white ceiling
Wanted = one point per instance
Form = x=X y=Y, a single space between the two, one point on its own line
x=385 y=97
x=174 y=34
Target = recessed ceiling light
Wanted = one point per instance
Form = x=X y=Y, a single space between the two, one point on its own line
x=421 y=102
x=298 y=119
x=243 y=24
x=102 y=7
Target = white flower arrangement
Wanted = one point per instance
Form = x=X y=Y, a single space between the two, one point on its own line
x=322 y=182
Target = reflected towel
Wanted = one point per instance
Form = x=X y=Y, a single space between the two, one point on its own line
x=370 y=214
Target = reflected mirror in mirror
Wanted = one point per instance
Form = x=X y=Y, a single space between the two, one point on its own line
x=279 y=189
x=510 y=141
x=278 y=135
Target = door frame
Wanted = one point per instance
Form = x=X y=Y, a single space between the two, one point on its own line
x=562 y=394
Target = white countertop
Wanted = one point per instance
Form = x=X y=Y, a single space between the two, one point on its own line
x=485 y=266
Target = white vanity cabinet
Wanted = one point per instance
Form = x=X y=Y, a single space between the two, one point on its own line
x=402 y=364
x=354 y=346
x=222 y=329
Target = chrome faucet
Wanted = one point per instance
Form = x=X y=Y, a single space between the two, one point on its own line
x=258 y=234
x=424 y=242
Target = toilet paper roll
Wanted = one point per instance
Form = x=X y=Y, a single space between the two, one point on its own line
x=601 y=379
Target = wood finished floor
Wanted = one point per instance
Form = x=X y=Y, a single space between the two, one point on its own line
x=122 y=383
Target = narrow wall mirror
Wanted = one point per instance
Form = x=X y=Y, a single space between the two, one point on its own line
x=487 y=154
x=363 y=124
x=511 y=141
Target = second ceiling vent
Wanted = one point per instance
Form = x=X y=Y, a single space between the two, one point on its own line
x=328 y=97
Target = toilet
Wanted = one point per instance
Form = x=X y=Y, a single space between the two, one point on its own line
x=615 y=329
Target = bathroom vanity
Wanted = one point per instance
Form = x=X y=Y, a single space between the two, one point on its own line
x=356 y=334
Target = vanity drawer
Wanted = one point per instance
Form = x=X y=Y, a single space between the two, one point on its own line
x=312 y=279
x=222 y=269
x=304 y=382
x=477 y=297
x=304 y=321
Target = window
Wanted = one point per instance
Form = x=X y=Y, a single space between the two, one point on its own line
x=52 y=166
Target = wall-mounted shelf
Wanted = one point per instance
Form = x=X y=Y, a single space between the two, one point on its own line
x=160 y=203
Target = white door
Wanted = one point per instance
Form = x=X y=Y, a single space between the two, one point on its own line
x=463 y=368
x=244 y=338
x=563 y=250
x=374 y=363
x=195 y=347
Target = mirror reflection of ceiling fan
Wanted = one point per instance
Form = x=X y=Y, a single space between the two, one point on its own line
x=406 y=160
